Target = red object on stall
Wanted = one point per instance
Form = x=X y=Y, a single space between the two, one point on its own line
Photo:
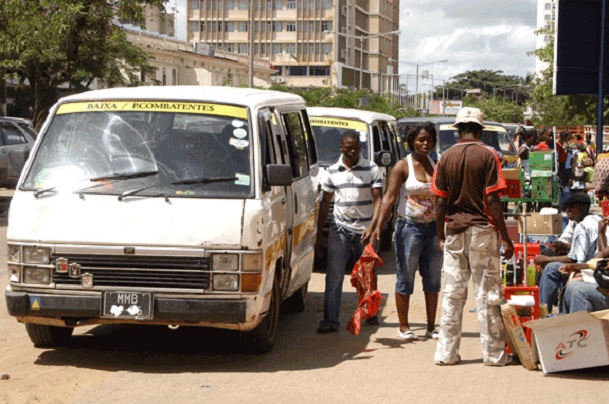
x=364 y=280
x=508 y=291
x=605 y=207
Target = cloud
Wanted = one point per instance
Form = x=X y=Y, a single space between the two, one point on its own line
x=472 y=35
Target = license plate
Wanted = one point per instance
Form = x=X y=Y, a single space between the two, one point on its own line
x=127 y=305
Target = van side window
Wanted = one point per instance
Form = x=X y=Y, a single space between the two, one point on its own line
x=385 y=136
x=297 y=144
x=311 y=147
x=376 y=138
x=11 y=135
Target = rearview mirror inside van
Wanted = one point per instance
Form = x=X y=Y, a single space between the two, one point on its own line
x=279 y=174
x=383 y=158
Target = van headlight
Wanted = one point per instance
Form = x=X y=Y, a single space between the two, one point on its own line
x=226 y=282
x=225 y=262
x=36 y=255
x=39 y=276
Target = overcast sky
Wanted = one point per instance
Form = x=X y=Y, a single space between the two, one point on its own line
x=470 y=34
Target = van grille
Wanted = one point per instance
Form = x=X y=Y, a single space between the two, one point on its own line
x=166 y=272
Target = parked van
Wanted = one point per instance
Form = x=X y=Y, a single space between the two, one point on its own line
x=180 y=205
x=379 y=137
x=494 y=135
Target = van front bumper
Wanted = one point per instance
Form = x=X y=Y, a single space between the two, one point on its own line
x=169 y=310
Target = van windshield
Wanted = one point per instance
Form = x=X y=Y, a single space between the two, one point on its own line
x=328 y=132
x=494 y=136
x=119 y=148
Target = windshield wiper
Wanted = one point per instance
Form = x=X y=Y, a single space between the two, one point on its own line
x=43 y=191
x=189 y=181
x=124 y=176
x=203 y=180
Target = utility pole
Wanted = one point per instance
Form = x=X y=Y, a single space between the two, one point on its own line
x=251 y=48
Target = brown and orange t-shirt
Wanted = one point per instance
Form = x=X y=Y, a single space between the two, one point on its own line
x=464 y=175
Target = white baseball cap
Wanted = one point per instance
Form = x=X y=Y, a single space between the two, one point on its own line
x=469 y=114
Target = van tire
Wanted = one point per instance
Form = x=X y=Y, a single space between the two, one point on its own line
x=296 y=303
x=48 y=335
x=262 y=338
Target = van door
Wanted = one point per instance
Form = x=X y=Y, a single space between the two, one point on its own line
x=301 y=197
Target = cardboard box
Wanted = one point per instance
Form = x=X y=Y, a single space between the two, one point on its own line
x=511 y=173
x=542 y=224
x=571 y=341
x=515 y=337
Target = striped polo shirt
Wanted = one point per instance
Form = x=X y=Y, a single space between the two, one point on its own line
x=352 y=188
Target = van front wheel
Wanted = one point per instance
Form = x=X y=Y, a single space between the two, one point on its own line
x=262 y=338
x=48 y=335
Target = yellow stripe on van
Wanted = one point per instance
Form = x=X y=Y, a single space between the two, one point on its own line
x=154 y=106
x=338 y=123
x=490 y=128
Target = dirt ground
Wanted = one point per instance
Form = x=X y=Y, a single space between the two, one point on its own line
x=157 y=365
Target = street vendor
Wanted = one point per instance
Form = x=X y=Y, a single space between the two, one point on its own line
x=583 y=248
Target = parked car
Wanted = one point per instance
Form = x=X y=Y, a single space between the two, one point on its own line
x=494 y=135
x=380 y=141
x=17 y=137
x=181 y=205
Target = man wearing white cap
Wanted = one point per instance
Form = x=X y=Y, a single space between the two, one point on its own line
x=467 y=181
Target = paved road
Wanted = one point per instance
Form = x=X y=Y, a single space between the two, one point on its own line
x=154 y=364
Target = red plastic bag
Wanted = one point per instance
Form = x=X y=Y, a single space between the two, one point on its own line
x=364 y=281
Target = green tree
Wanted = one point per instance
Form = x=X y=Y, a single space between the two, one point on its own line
x=346 y=98
x=490 y=83
x=495 y=109
x=48 y=43
x=560 y=110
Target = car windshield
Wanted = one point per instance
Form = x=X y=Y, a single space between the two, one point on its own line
x=328 y=132
x=116 y=150
x=493 y=135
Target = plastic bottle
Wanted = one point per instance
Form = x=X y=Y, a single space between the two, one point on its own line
x=531 y=273
x=509 y=273
x=519 y=268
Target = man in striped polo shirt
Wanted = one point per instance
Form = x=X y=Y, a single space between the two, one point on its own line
x=355 y=183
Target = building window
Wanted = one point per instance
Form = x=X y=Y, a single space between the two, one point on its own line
x=164 y=76
x=326 y=4
x=278 y=5
x=326 y=26
x=174 y=77
x=229 y=4
x=319 y=71
x=277 y=49
x=194 y=26
x=290 y=48
x=277 y=26
x=229 y=26
x=193 y=5
x=229 y=47
x=242 y=48
x=311 y=49
x=290 y=26
x=262 y=49
x=243 y=4
x=326 y=48
x=242 y=26
x=291 y=5
x=269 y=4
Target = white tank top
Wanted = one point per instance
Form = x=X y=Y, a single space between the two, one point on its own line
x=417 y=202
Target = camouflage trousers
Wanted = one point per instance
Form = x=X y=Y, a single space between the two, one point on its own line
x=473 y=253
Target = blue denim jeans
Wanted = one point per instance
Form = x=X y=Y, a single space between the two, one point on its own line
x=416 y=248
x=343 y=244
x=550 y=284
x=583 y=296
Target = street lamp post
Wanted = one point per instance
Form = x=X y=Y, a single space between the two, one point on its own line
x=416 y=94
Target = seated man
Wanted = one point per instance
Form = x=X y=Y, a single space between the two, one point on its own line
x=583 y=248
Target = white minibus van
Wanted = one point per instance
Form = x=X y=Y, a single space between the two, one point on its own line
x=182 y=205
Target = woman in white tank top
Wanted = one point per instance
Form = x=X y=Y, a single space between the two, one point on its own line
x=415 y=232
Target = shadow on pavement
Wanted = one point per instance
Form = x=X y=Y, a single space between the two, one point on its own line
x=156 y=349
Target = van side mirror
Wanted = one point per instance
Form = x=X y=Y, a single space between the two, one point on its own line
x=279 y=174
x=383 y=159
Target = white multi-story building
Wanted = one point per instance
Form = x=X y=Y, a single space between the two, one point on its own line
x=546 y=16
x=332 y=43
